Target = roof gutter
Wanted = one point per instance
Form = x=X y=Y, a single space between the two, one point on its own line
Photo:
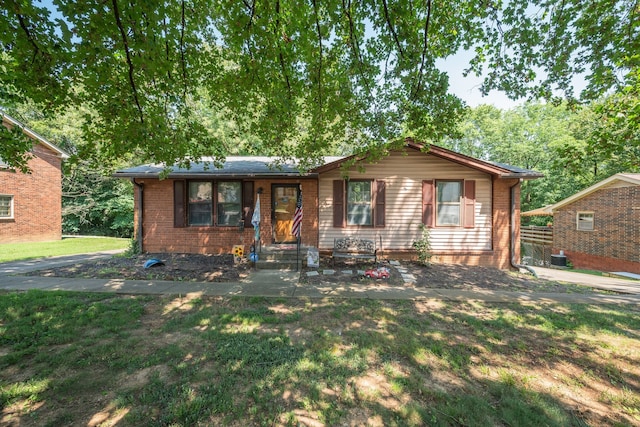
x=512 y=240
x=204 y=175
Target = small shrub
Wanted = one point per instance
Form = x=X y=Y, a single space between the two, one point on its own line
x=133 y=249
x=423 y=245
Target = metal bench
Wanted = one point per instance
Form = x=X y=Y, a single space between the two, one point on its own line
x=354 y=248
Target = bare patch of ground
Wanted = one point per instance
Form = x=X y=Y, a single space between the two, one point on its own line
x=174 y=267
x=440 y=276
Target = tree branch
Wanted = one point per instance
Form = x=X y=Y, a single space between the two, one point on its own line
x=355 y=44
x=315 y=9
x=424 y=48
x=280 y=55
x=125 y=42
x=24 y=27
x=393 y=32
x=182 y=59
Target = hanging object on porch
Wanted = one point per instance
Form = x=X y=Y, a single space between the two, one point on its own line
x=255 y=220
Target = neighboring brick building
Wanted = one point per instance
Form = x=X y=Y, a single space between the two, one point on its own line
x=599 y=227
x=31 y=204
x=471 y=206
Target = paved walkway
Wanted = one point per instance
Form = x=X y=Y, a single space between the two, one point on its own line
x=275 y=283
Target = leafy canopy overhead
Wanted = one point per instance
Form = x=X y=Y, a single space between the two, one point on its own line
x=300 y=75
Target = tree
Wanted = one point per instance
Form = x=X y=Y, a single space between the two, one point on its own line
x=617 y=132
x=540 y=137
x=299 y=75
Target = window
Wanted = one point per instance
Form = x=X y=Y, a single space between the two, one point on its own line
x=448 y=203
x=208 y=201
x=359 y=203
x=229 y=203
x=200 y=202
x=585 y=221
x=6 y=206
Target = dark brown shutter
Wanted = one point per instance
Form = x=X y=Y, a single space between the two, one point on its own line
x=248 y=204
x=428 y=195
x=469 y=204
x=380 y=203
x=179 y=202
x=338 y=203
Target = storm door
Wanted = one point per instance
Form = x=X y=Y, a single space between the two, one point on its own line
x=284 y=197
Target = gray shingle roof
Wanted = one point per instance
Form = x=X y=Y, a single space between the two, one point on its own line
x=233 y=166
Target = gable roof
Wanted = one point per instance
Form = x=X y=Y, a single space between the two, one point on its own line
x=264 y=167
x=631 y=178
x=499 y=170
x=41 y=139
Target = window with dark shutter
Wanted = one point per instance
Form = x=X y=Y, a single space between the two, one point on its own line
x=179 y=211
x=247 y=202
x=428 y=195
x=469 y=204
x=338 y=203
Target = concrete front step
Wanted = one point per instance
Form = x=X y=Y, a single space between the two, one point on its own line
x=281 y=257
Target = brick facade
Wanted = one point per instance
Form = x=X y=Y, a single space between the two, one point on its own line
x=37 y=199
x=614 y=243
x=160 y=235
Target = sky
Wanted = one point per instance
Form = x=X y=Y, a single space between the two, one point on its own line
x=468 y=88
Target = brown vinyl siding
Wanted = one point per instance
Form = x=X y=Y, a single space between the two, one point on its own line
x=403 y=175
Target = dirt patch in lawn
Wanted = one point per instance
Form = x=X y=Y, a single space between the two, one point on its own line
x=222 y=268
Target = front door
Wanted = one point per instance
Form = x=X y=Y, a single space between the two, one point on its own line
x=284 y=197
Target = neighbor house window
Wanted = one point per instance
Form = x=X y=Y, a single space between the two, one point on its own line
x=229 y=202
x=448 y=203
x=585 y=220
x=6 y=206
x=359 y=203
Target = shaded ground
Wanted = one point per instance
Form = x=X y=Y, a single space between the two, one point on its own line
x=441 y=276
x=175 y=267
x=98 y=360
x=221 y=268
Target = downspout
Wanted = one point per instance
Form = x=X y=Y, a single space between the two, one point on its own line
x=139 y=234
x=512 y=241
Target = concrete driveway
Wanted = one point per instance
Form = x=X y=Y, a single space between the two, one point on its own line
x=615 y=284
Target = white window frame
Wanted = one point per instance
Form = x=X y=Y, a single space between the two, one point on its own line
x=10 y=197
x=585 y=221
x=360 y=207
x=449 y=204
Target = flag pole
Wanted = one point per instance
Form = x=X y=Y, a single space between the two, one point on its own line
x=296 y=226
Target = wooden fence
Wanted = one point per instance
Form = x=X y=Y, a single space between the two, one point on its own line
x=536 y=243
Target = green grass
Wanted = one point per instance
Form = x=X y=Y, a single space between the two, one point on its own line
x=73 y=358
x=67 y=246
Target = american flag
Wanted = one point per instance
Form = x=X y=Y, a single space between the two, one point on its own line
x=297 y=217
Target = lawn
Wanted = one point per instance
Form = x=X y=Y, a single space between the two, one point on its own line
x=67 y=246
x=98 y=360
